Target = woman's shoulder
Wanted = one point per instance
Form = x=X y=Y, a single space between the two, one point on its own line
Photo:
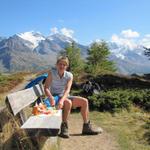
x=53 y=70
x=68 y=74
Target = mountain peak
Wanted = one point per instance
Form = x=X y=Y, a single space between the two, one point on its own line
x=33 y=37
x=61 y=37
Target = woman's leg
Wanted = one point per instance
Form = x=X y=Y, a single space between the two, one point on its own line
x=87 y=127
x=66 y=109
x=83 y=104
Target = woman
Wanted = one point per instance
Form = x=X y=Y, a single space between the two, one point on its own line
x=59 y=82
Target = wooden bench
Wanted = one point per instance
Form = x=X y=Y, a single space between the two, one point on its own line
x=17 y=103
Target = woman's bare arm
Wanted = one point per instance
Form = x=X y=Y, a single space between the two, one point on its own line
x=46 y=88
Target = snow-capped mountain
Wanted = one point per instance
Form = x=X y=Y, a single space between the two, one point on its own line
x=33 y=37
x=54 y=43
x=33 y=51
x=15 y=43
x=124 y=51
x=129 y=60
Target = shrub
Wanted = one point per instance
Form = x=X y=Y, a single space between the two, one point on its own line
x=117 y=99
x=142 y=99
x=110 y=101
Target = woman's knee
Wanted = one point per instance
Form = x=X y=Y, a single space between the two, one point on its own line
x=67 y=103
x=80 y=102
x=86 y=101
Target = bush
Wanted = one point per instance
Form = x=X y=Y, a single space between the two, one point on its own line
x=142 y=99
x=117 y=99
x=110 y=101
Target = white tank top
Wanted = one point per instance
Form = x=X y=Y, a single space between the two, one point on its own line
x=58 y=84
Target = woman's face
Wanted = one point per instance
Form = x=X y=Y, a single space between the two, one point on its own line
x=61 y=66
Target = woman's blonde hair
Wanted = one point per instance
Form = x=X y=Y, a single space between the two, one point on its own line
x=64 y=59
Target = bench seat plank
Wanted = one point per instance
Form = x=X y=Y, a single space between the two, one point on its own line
x=44 y=121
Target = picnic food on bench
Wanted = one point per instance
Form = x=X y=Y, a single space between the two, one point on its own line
x=42 y=109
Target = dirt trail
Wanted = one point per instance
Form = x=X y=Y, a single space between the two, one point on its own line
x=103 y=141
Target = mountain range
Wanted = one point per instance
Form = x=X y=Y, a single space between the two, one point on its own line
x=129 y=60
x=31 y=51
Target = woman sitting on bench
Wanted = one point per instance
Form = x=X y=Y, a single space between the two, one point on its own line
x=58 y=83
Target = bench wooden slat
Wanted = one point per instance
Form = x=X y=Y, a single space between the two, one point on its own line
x=44 y=121
x=23 y=98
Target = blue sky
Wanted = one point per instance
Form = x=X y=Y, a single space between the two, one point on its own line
x=85 y=20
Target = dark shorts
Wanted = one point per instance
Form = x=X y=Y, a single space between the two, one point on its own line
x=71 y=97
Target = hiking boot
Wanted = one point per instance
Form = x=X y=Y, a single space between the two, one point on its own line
x=88 y=130
x=64 y=130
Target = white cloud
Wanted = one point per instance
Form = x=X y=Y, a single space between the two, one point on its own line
x=115 y=38
x=67 y=32
x=64 y=31
x=54 y=30
x=147 y=35
x=146 y=41
x=129 y=43
x=130 y=34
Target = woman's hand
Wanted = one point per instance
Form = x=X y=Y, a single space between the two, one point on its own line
x=60 y=104
x=52 y=101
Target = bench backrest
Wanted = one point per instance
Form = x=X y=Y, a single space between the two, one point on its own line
x=23 y=98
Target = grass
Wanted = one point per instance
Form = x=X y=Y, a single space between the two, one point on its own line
x=7 y=82
x=127 y=127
